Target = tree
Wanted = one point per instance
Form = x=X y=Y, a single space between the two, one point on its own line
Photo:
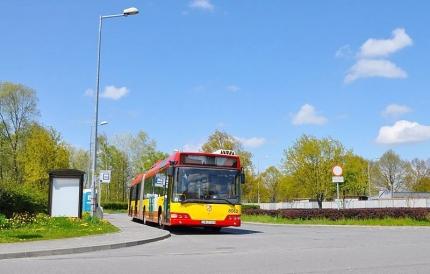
x=79 y=158
x=309 y=161
x=110 y=157
x=423 y=185
x=271 y=179
x=41 y=151
x=222 y=140
x=392 y=172
x=290 y=189
x=355 y=174
x=419 y=170
x=17 y=110
x=141 y=151
x=5 y=159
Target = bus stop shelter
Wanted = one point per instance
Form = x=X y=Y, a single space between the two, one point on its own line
x=65 y=193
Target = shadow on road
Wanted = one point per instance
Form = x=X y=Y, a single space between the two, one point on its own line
x=201 y=231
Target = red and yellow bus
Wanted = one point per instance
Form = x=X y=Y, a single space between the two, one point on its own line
x=190 y=189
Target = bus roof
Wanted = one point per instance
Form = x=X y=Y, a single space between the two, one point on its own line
x=177 y=159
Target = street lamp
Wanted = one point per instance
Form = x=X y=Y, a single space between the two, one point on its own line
x=87 y=183
x=126 y=12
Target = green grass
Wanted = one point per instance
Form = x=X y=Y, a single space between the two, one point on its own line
x=375 y=222
x=46 y=228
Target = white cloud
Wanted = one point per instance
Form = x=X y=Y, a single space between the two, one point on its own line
x=252 y=142
x=371 y=61
x=89 y=92
x=395 y=110
x=308 y=115
x=403 y=132
x=366 y=68
x=202 y=5
x=233 y=88
x=344 y=52
x=384 y=47
x=114 y=93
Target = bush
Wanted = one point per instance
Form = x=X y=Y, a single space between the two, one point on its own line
x=246 y=207
x=334 y=214
x=115 y=205
x=17 y=199
x=4 y=224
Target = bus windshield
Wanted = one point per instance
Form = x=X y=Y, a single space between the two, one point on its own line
x=207 y=186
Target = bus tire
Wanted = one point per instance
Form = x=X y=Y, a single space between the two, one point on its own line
x=160 y=219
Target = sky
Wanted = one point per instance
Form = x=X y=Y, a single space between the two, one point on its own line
x=266 y=72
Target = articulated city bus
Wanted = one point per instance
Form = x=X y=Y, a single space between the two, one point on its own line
x=190 y=189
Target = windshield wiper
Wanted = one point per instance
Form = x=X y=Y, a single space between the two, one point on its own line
x=223 y=199
x=206 y=200
x=193 y=201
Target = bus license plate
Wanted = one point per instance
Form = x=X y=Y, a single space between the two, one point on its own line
x=208 y=222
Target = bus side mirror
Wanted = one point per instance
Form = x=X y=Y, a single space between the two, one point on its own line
x=170 y=171
x=242 y=177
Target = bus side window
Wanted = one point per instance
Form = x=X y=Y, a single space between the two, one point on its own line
x=148 y=188
x=158 y=189
x=130 y=199
x=138 y=192
x=131 y=194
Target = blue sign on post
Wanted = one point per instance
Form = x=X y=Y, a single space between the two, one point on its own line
x=86 y=200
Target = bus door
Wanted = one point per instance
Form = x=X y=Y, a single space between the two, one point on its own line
x=142 y=183
x=167 y=196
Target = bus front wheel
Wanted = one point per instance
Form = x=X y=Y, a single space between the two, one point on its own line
x=160 y=220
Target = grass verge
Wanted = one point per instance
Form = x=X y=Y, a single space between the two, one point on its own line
x=370 y=222
x=46 y=228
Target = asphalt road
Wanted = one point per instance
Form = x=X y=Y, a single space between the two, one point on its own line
x=254 y=249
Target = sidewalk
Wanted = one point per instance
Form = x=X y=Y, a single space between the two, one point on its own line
x=130 y=234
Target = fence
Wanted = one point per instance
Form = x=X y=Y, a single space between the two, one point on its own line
x=351 y=203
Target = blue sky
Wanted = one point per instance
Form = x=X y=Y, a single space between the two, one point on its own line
x=264 y=71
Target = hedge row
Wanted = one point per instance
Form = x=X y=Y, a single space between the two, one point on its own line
x=19 y=200
x=250 y=206
x=115 y=205
x=334 y=214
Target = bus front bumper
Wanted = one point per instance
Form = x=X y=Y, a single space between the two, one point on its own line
x=231 y=220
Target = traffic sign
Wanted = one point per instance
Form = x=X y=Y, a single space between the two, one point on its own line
x=105 y=176
x=337 y=179
x=337 y=171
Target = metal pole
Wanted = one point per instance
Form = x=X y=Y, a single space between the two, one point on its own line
x=96 y=118
x=368 y=177
x=90 y=159
x=94 y=205
x=337 y=189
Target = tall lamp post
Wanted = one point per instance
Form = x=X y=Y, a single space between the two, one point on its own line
x=126 y=12
x=90 y=159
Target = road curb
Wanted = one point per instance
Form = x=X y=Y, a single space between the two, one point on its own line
x=76 y=250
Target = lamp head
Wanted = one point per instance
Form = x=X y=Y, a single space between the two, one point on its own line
x=130 y=11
